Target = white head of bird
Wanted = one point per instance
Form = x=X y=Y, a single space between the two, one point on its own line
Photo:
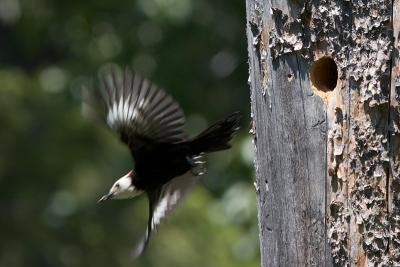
x=123 y=188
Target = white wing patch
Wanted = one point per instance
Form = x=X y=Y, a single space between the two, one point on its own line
x=122 y=112
x=166 y=204
x=139 y=110
x=173 y=193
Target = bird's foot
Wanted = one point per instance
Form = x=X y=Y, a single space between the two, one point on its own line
x=197 y=164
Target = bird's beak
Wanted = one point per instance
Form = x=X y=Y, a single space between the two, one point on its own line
x=105 y=197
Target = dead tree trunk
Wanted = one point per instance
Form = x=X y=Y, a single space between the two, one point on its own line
x=325 y=92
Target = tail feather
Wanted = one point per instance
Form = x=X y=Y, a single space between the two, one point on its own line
x=217 y=136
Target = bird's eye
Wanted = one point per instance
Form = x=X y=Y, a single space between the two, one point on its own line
x=117 y=186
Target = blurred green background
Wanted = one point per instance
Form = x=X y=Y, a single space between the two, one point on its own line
x=55 y=164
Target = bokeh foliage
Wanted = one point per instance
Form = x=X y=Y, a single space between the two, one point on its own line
x=55 y=164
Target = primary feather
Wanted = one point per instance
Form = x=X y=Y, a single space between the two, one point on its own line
x=139 y=111
x=163 y=202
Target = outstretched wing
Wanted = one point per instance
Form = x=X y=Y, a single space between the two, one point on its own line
x=162 y=202
x=139 y=111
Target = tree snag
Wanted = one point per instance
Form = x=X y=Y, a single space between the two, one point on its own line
x=325 y=92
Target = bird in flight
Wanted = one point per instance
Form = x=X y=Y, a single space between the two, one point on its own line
x=152 y=124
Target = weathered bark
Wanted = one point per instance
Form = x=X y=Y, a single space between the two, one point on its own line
x=327 y=144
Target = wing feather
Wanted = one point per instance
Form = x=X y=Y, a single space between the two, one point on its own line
x=136 y=109
x=162 y=202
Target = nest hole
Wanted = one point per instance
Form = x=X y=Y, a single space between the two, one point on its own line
x=324 y=74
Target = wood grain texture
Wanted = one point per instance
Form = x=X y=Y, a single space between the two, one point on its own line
x=290 y=138
x=327 y=163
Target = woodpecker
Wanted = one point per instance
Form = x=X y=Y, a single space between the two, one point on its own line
x=152 y=124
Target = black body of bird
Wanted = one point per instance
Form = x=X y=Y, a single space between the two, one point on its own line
x=151 y=123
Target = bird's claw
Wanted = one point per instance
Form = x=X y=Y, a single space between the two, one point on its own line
x=197 y=164
x=198 y=171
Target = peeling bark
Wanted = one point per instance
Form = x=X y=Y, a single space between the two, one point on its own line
x=327 y=161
